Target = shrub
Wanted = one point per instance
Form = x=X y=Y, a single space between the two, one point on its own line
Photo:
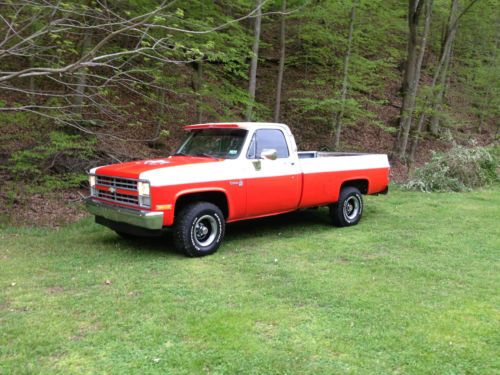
x=459 y=169
x=57 y=163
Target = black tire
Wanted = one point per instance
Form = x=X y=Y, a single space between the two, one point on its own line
x=349 y=208
x=199 y=229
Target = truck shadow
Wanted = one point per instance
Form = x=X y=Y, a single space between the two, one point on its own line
x=304 y=220
x=285 y=224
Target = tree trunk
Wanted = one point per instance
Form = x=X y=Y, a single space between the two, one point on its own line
x=199 y=87
x=82 y=76
x=411 y=77
x=421 y=53
x=281 y=69
x=447 y=46
x=490 y=91
x=32 y=81
x=255 y=58
x=481 y=122
x=160 y=92
x=337 y=125
x=438 y=98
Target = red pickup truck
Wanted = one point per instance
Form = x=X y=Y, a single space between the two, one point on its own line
x=225 y=172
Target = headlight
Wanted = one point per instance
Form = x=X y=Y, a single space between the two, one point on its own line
x=143 y=188
x=93 y=191
x=144 y=198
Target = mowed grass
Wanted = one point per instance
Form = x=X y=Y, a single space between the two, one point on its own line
x=412 y=289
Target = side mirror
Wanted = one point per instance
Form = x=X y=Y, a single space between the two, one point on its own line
x=269 y=154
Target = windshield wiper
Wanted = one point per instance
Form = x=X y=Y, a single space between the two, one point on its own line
x=206 y=155
x=202 y=155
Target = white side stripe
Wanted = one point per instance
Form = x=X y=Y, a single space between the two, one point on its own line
x=344 y=163
x=243 y=169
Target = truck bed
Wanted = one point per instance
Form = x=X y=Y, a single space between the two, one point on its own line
x=324 y=173
x=322 y=154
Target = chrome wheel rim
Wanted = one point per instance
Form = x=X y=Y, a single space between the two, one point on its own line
x=351 y=208
x=205 y=230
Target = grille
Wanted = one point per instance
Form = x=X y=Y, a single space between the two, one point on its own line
x=117 y=182
x=117 y=197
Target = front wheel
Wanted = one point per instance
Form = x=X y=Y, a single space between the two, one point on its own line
x=349 y=208
x=199 y=229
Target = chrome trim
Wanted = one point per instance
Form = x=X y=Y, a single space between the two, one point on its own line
x=269 y=154
x=112 y=183
x=205 y=235
x=117 y=182
x=138 y=218
x=130 y=200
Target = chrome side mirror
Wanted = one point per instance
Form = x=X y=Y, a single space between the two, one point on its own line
x=269 y=154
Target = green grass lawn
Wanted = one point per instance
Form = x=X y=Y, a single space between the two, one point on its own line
x=412 y=289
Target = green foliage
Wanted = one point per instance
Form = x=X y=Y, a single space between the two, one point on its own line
x=55 y=164
x=459 y=169
x=166 y=84
x=321 y=46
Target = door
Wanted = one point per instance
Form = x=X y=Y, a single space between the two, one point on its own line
x=272 y=186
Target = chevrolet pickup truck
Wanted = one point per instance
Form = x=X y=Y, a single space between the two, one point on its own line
x=225 y=172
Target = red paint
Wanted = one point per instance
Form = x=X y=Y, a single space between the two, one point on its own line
x=211 y=126
x=119 y=191
x=133 y=169
x=324 y=188
x=269 y=195
x=259 y=197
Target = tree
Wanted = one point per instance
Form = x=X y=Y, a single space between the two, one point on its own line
x=82 y=57
x=255 y=58
x=440 y=70
x=411 y=75
x=345 y=78
x=443 y=73
x=281 y=68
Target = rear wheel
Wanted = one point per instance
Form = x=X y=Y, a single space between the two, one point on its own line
x=349 y=208
x=199 y=229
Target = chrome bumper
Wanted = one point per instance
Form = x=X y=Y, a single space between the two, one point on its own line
x=138 y=218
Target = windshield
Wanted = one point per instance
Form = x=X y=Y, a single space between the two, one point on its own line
x=218 y=143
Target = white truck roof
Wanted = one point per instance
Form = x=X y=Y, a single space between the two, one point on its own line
x=241 y=125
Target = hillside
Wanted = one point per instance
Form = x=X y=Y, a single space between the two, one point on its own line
x=111 y=90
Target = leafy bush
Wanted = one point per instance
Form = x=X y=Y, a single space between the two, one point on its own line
x=57 y=163
x=459 y=169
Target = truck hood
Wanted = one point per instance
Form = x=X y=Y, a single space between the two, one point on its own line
x=134 y=169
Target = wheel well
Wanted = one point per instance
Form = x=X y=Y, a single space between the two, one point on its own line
x=361 y=185
x=215 y=197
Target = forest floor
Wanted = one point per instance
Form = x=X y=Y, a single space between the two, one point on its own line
x=412 y=289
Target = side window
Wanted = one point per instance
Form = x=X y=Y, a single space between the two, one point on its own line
x=252 y=152
x=266 y=139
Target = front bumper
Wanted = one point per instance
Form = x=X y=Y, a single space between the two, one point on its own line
x=137 y=218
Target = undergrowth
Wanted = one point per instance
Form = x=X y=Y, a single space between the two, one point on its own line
x=57 y=163
x=459 y=169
